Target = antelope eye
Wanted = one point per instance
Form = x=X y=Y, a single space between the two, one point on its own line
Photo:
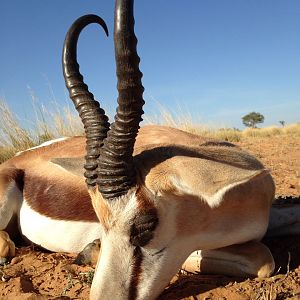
x=142 y=229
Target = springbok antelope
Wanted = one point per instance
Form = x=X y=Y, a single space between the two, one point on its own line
x=152 y=195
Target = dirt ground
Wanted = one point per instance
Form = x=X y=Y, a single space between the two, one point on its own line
x=34 y=274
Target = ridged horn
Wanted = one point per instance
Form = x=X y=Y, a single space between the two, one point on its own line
x=116 y=172
x=93 y=117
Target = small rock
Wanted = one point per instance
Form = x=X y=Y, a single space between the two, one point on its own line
x=4 y=278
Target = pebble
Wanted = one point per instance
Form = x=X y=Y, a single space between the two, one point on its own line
x=4 y=278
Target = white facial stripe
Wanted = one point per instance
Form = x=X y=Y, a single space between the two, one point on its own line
x=114 y=269
x=57 y=235
x=120 y=262
x=157 y=270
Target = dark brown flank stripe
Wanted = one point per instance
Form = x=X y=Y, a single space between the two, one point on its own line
x=136 y=272
x=58 y=200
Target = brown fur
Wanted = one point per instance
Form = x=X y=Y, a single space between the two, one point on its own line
x=172 y=166
x=144 y=199
x=51 y=193
x=159 y=152
x=37 y=170
x=216 y=166
x=136 y=273
x=101 y=207
x=9 y=175
x=48 y=188
x=197 y=216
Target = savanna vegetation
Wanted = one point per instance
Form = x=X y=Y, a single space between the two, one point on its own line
x=62 y=121
x=252 y=119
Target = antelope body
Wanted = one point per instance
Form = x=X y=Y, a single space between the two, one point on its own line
x=153 y=195
x=47 y=189
x=46 y=184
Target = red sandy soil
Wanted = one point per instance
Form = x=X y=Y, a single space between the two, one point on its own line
x=34 y=274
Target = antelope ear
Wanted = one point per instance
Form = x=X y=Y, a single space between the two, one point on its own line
x=73 y=165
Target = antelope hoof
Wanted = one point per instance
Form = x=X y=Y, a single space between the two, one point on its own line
x=89 y=255
x=7 y=247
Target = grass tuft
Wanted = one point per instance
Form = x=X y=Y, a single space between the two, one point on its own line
x=47 y=125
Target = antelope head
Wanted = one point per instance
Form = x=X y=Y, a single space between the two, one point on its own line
x=134 y=243
x=140 y=246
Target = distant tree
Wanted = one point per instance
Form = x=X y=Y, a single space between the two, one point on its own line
x=253 y=118
x=282 y=123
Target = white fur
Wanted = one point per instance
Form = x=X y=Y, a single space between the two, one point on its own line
x=43 y=145
x=116 y=252
x=57 y=235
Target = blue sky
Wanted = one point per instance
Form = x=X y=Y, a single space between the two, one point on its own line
x=215 y=59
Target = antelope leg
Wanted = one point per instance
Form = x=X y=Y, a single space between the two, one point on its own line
x=248 y=259
x=284 y=217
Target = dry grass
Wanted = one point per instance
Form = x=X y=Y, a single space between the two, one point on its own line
x=47 y=125
x=58 y=122
x=186 y=123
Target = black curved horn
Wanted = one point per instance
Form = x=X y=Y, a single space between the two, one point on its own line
x=93 y=117
x=116 y=172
